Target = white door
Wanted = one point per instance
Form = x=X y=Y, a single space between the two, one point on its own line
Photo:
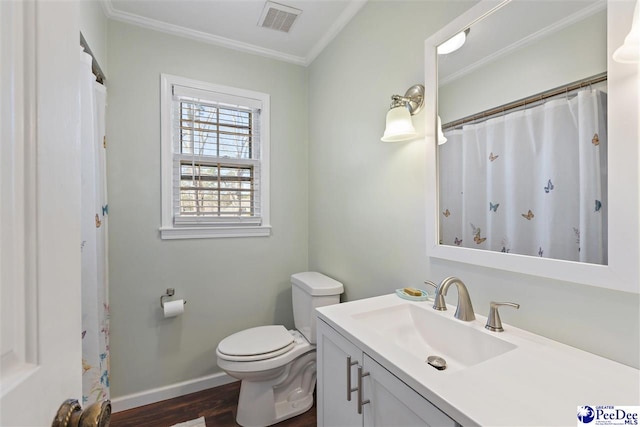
x=40 y=341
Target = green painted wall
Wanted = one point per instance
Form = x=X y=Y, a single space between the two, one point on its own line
x=230 y=284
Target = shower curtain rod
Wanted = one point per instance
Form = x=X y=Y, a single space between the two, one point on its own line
x=95 y=67
x=598 y=78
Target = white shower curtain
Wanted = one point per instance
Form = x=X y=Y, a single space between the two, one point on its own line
x=530 y=182
x=95 y=292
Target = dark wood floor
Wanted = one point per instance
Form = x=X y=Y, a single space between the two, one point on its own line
x=217 y=405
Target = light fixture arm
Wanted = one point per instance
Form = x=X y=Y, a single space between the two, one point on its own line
x=413 y=99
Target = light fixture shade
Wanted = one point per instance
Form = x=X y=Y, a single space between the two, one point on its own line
x=441 y=138
x=453 y=44
x=629 y=52
x=399 y=125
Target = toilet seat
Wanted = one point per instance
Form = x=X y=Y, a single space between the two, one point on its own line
x=259 y=343
x=266 y=361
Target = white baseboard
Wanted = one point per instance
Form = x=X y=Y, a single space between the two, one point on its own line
x=147 y=397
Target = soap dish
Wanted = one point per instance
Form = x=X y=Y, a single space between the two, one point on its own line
x=402 y=294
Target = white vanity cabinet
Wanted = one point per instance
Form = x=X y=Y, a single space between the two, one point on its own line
x=336 y=406
x=355 y=390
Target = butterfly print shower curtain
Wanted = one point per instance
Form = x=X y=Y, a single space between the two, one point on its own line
x=530 y=182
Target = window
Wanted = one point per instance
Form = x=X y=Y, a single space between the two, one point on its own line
x=215 y=151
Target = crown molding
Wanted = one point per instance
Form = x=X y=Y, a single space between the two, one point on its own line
x=544 y=32
x=345 y=17
x=177 y=30
x=201 y=36
x=107 y=7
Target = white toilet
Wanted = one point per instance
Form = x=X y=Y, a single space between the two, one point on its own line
x=278 y=367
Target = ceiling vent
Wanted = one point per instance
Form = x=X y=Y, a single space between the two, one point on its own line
x=278 y=16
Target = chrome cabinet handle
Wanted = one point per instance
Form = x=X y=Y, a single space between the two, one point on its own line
x=349 y=389
x=361 y=402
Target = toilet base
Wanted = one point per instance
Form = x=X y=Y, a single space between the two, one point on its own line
x=263 y=403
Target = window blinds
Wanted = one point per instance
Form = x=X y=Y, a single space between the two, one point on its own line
x=216 y=158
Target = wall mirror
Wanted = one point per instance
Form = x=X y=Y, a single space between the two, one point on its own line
x=527 y=71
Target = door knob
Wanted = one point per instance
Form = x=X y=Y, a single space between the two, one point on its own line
x=70 y=414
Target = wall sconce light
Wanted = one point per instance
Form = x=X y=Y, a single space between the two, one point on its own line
x=399 y=125
x=441 y=138
x=629 y=52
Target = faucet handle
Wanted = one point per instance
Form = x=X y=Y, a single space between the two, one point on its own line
x=430 y=283
x=493 y=321
x=438 y=298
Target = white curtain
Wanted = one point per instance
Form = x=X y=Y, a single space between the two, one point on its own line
x=95 y=292
x=531 y=182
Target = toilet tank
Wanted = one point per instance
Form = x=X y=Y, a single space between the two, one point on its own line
x=308 y=291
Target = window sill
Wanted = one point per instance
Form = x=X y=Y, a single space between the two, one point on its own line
x=173 y=233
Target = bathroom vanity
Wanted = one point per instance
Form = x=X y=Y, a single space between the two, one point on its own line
x=372 y=370
x=349 y=378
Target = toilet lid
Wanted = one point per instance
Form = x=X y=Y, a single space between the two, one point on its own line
x=261 y=340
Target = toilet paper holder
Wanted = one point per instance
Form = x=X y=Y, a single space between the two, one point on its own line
x=170 y=292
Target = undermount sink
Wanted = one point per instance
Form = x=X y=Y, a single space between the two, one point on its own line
x=424 y=332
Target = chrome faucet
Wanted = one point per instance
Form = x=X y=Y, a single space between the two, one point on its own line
x=464 y=311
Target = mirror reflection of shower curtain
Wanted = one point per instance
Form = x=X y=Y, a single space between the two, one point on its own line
x=94 y=210
x=531 y=182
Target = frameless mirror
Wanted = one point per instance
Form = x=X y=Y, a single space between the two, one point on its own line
x=530 y=107
x=523 y=107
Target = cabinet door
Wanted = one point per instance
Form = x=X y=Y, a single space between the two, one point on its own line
x=392 y=403
x=336 y=405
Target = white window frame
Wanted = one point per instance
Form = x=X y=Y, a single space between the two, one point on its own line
x=230 y=227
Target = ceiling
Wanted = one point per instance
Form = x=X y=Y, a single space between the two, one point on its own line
x=512 y=27
x=234 y=23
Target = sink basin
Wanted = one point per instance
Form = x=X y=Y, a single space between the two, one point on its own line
x=424 y=332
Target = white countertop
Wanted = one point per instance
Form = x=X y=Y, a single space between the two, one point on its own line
x=540 y=383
